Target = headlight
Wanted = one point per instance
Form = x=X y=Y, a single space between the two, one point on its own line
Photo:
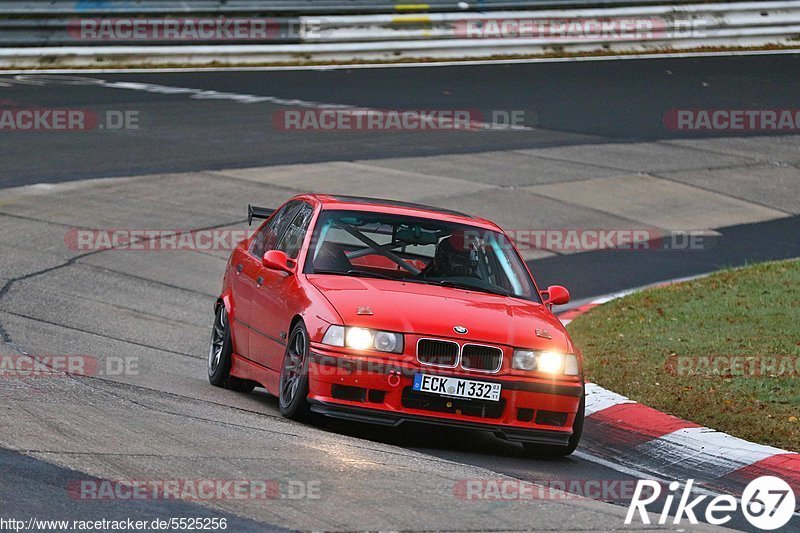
x=358 y=338
x=364 y=339
x=524 y=360
x=547 y=362
x=571 y=367
x=334 y=336
x=386 y=342
x=550 y=362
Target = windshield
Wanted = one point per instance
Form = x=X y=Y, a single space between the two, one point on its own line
x=365 y=244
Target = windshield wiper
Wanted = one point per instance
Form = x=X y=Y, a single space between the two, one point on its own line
x=368 y=274
x=470 y=287
x=358 y=273
x=445 y=282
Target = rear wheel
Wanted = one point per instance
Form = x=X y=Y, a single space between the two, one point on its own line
x=552 y=450
x=293 y=394
x=219 y=356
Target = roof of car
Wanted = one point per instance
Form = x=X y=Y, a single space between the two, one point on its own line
x=395 y=203
x=364 y=202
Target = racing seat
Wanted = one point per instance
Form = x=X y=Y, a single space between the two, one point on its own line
x=453 y=258
x=331 y=256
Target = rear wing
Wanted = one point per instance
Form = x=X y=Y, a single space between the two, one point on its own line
x=257 y=212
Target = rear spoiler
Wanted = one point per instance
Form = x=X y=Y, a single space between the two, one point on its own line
x=257 y=212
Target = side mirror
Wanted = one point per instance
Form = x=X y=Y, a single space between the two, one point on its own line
x=556 y=295
x=278 y=260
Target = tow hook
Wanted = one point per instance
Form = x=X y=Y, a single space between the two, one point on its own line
x=393 y=378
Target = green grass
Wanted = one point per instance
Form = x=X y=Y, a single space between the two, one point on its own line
x=629 y=343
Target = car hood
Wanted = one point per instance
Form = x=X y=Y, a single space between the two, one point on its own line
x=423 y=309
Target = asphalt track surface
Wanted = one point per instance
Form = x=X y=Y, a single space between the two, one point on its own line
x=564 y=104
x=571 y=103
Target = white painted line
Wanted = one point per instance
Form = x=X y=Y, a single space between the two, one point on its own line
x=604 y=299
x=598 y=398
x=204 y=94
x=429 y=64
x=240 y=98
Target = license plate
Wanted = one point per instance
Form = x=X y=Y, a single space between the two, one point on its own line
x=460 y=388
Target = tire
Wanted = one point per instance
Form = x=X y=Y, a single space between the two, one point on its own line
x=220 y=349
x=552 y=450
x=293 y=389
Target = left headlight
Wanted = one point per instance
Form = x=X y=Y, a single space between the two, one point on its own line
x=364 y=339
x=547 y=362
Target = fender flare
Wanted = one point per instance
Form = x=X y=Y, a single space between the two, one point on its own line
x=225 y=299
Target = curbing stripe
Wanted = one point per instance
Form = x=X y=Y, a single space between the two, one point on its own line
x=785 y=465
x=598 y=399
x=642 y=420
x=713 y=452
x=618 y=431
x=567 y=316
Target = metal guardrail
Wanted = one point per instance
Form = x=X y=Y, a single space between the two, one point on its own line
x=432 y=35
x=62 y=31
x=660 y=24
x=67 y=32
x=285 y=7
x=47 y=22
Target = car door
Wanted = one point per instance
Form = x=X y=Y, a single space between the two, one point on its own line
x=275 y=297
x=241 y=285
x=246 y=266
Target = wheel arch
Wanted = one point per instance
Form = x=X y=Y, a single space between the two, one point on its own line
x=224 y=299
x=295 y=319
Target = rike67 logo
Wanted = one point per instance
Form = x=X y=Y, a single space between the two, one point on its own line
x=767 y=503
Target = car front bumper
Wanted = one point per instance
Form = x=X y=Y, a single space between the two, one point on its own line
x=379 y=391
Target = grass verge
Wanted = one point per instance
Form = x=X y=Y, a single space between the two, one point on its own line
x=722 y=351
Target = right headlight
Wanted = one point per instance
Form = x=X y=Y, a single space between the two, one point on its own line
x=545 y=361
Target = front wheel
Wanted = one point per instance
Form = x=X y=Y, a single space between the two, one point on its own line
x=219 y=356
x=293 y=395
x=552 y=450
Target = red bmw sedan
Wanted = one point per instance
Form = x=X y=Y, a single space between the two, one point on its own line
x=385 y=312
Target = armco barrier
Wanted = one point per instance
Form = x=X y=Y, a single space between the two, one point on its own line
x=432 y=35
x=662 y=23
x=71 y=31
x=278 y=7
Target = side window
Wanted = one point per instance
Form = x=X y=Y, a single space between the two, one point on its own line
x=268 y=236
x=296 y=232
